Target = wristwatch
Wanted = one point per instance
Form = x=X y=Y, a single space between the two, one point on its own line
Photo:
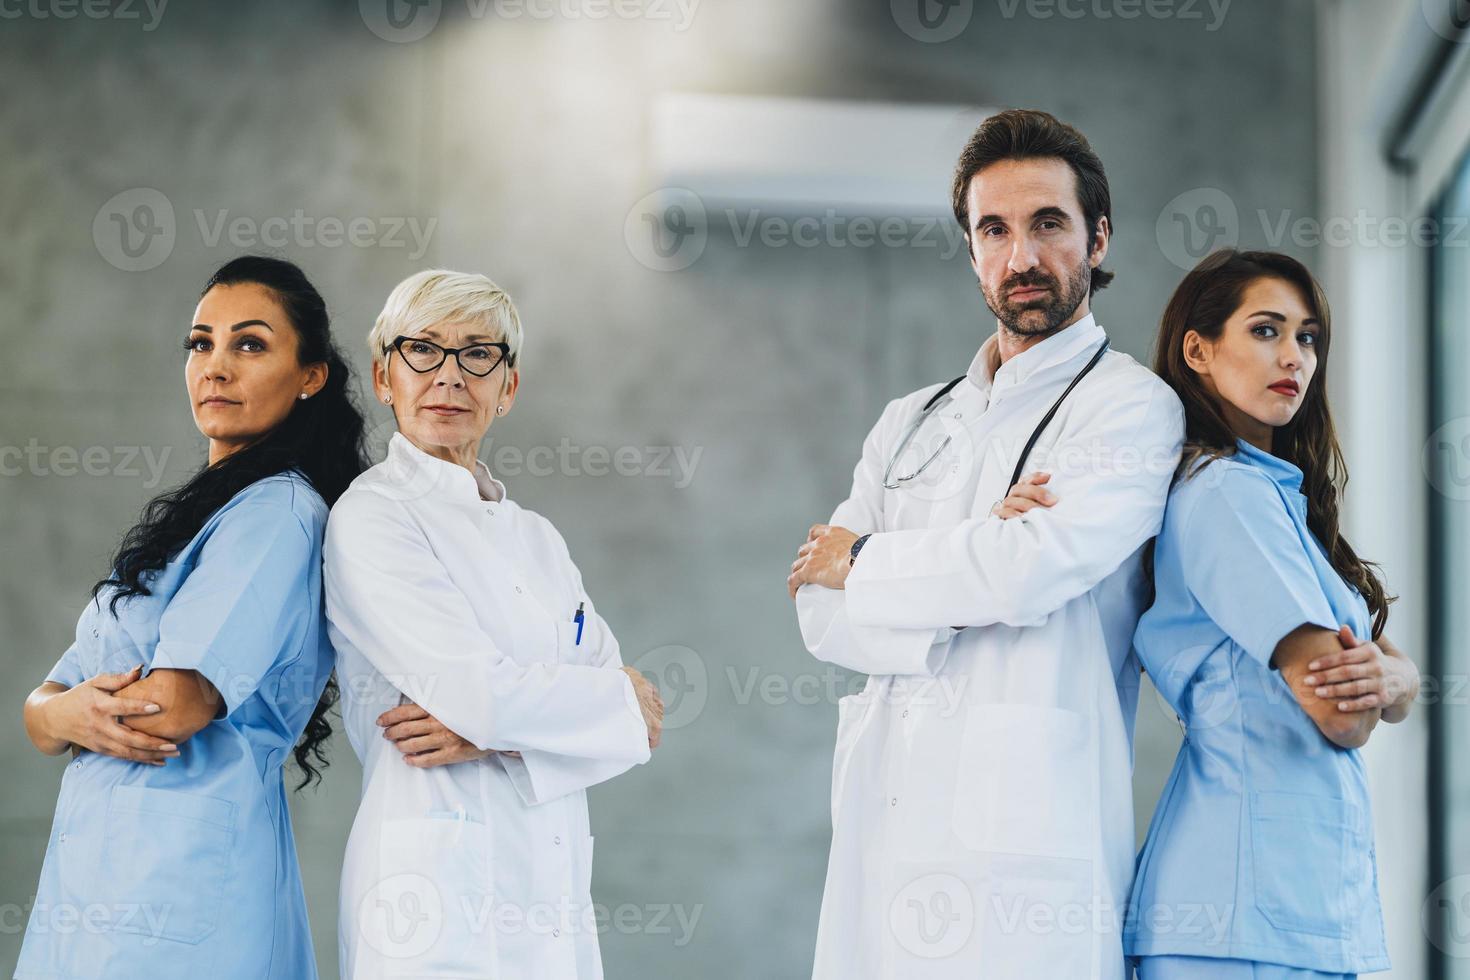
x=856 y=547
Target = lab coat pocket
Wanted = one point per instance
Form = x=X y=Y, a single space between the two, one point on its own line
x=851 y=710
x=1303 y=849
x=165 y=862
x=1024 y=784
x=430 y=912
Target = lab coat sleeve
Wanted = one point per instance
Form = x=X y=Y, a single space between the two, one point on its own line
x=1244 y=561
x=390 y=597
x=822 y=613
x=538 y=775
x=1111 y=469
x=240 y=612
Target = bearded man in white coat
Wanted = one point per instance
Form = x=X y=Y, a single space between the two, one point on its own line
x=982 y=820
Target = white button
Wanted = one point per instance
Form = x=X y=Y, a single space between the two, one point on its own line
x=556 y=839
x=556 y=933
x=77 y=764
x=94 y=631
x=959 y=415
x=893 y=802
x=905 y=712
x=518 y=590
x=61 y=839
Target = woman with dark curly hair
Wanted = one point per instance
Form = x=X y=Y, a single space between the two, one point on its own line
x=201 y=662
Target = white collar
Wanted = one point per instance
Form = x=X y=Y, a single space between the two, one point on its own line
x=409 y=465
x=986 y=369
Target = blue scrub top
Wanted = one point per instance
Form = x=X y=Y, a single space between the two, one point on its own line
x=189 y=870
x=1261 y=847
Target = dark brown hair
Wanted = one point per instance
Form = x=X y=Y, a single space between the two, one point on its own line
x=1029 y=134
x=1208 y=296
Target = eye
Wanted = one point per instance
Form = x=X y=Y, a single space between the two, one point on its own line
x=250 y=345
x=478 y=353
x=986 y=231
x=1260 y=330
x=196 y=344
x=1049 y=224
x=419 y=347
x=1308 y=338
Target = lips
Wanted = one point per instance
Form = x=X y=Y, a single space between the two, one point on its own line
x=1028 y=293
x=1286 y=388
x=218 y=400
x=446 y=411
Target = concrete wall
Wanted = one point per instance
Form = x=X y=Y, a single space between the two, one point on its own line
x=523 y=139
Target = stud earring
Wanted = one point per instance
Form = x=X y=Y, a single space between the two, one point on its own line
x=304 y=396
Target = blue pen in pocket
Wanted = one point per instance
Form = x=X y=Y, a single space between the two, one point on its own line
x=579 y=619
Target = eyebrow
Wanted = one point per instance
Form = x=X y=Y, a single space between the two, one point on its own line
x=1050 y=211
x=1277 y=316
x=239 y=326
x=472 y=339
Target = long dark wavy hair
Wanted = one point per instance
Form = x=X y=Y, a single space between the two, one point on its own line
x=322 y=438
x=1208 y=296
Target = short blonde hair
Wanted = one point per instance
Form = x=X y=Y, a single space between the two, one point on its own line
x=434 y=296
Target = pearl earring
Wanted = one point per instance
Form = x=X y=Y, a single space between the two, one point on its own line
x=387 y=399
x=304 y=396
x=499 y=409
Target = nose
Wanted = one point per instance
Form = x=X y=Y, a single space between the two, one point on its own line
x=1291 y=354
x=1023 y=255
x=215 y=366
x=449 y=374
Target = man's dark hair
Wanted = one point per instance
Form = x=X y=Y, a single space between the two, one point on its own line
x=1028 y=134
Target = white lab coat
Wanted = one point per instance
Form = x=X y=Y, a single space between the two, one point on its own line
x=982 y=821
x=440 y=589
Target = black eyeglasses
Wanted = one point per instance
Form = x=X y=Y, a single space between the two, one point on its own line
x=425 y=355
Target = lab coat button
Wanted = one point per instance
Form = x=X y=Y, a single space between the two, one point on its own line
x=556 y=933
x=556 y=839
x=94 y=631
x=893 y=802
x=518 y=590
x=61 y=839
x=905 y=712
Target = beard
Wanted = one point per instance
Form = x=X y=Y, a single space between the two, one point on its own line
x=1044 y=314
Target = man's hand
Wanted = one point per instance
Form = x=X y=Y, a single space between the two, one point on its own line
x=825 y=559
x=1028 y=492
x=1365 y=675
x=423 y=739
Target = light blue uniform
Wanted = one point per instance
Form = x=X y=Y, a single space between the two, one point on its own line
x=1261 y=848
x=189 y=870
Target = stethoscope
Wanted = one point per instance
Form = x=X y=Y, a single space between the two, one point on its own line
x=943 y=396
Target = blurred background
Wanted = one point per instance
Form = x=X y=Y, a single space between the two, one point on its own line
x=726 y=227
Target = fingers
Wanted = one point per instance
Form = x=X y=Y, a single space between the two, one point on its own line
x=1350 y=689
x=1345 y=635
x=118 y=746
x=1365 y=703
x=133 y=739
x=116 y=682
x=1034 y=479
x=815 y=531
x=122 y=707
x=408 y=729
x=1030 y=492
x=425 y=743
x=1355 y=655
x=1354 y=669
x=404 y=712
x=428 y=760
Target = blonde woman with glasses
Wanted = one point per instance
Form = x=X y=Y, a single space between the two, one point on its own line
x=481 y=689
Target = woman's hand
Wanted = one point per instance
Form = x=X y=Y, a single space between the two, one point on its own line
x=1028 y=492
x=89 y=716
x=424 y=741
x=651 y=703
x=1366 y=675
